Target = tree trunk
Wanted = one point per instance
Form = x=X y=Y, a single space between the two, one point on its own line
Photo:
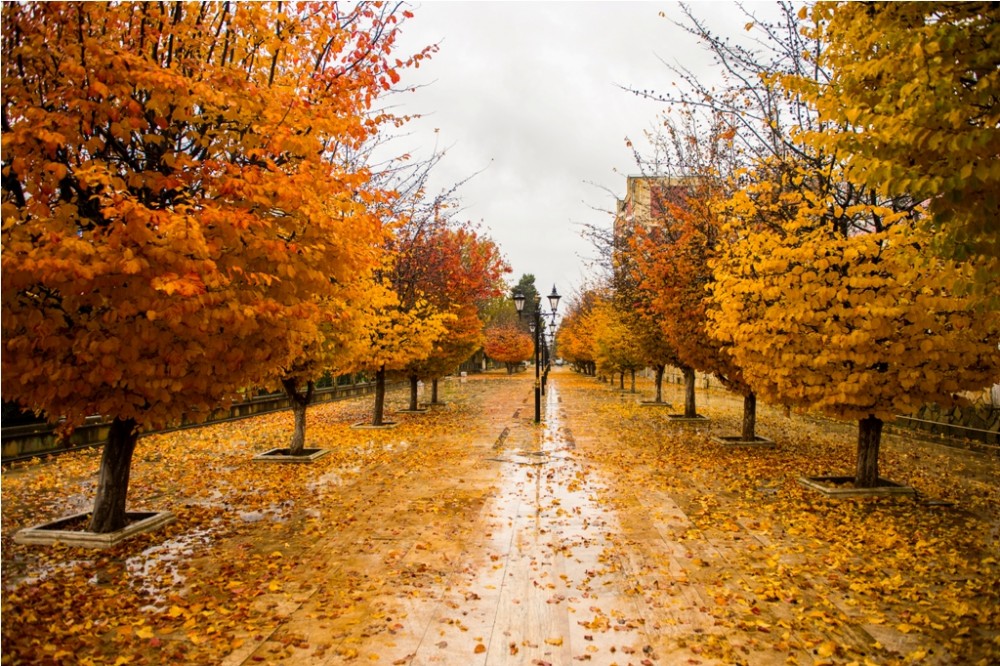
x=434 y=392
x=659 y=382
x=749 y=433
x=414 y=397
x=300 y=401
x=379 y=397
x=869 y=439
x=690 y=409
x=621 y=380
x=112 y=482
x=510 y=368
x=633 y=379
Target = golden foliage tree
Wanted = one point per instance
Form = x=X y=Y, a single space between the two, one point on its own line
x=174 y=209
x=832 y=309
x=398 y=333
x=615 y=350
x=913 y=98
x=575 y=337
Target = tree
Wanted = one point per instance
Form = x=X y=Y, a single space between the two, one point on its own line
x=671 y=256
x=526 y=286
x=615 y=351
x=335 y=352
x=913 y=102
x=173 y=206
x=508 y=345
x=833 y=309
x=792 y=193
x=575 y=336
x=459 y=270
x=462 y=337
x=616 y=260
x=398 y=334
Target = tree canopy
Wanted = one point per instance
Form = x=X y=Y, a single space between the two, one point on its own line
x=178 y=215
x=913 y=101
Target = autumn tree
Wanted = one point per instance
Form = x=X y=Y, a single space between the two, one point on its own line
x=398 y=333
x=335 y=351
x=462 y=338
x=508 y=345
x=614 y=349
x=460 y=270
x=833 y=309
x=615 y=262
x=173 y=207
x=796 y=340
x=913 y=100
x=671 y=256
x=634 y=294
x=575 y=335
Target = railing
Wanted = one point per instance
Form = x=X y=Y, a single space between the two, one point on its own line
x=990 y=438
x=979 y=438
x=28 y=441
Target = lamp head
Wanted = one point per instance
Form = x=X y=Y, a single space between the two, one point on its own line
x=554 y=299
x=518 y=298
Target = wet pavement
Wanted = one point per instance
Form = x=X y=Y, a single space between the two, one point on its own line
x=472 y=536
x=505 y=561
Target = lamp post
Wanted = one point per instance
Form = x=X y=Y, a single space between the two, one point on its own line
x=535 y=324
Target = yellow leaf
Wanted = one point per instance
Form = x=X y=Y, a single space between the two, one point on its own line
x=144 y=632
x=554 y=641
x=826 y=649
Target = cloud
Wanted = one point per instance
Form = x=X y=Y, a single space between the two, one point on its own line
x=529 y=93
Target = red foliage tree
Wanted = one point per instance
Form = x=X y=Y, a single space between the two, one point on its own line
x=509 y=345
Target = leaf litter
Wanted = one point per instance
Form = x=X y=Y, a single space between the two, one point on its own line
x=655 y=544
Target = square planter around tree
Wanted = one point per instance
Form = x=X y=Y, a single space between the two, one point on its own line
x=71 y=531
x=843 y=486
x=680 y=418
x=653 y=403
x=282 y=455
x=364 y=425
x=737 y=440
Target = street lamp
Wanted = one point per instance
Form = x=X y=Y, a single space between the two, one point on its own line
x=554 y=301
x=535 y=325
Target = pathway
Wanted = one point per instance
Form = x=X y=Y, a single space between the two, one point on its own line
x=507 y=560
x=471 y=536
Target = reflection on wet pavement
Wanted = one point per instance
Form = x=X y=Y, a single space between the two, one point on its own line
x=532 y=580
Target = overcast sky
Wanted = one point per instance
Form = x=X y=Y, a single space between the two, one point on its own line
x=529 y=94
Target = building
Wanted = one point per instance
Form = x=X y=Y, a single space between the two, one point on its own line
x=646 y=201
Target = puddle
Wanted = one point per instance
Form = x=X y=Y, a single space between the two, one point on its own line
x=157 y=568
x=333 y=479
x=39 y=573
x=277 y=513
